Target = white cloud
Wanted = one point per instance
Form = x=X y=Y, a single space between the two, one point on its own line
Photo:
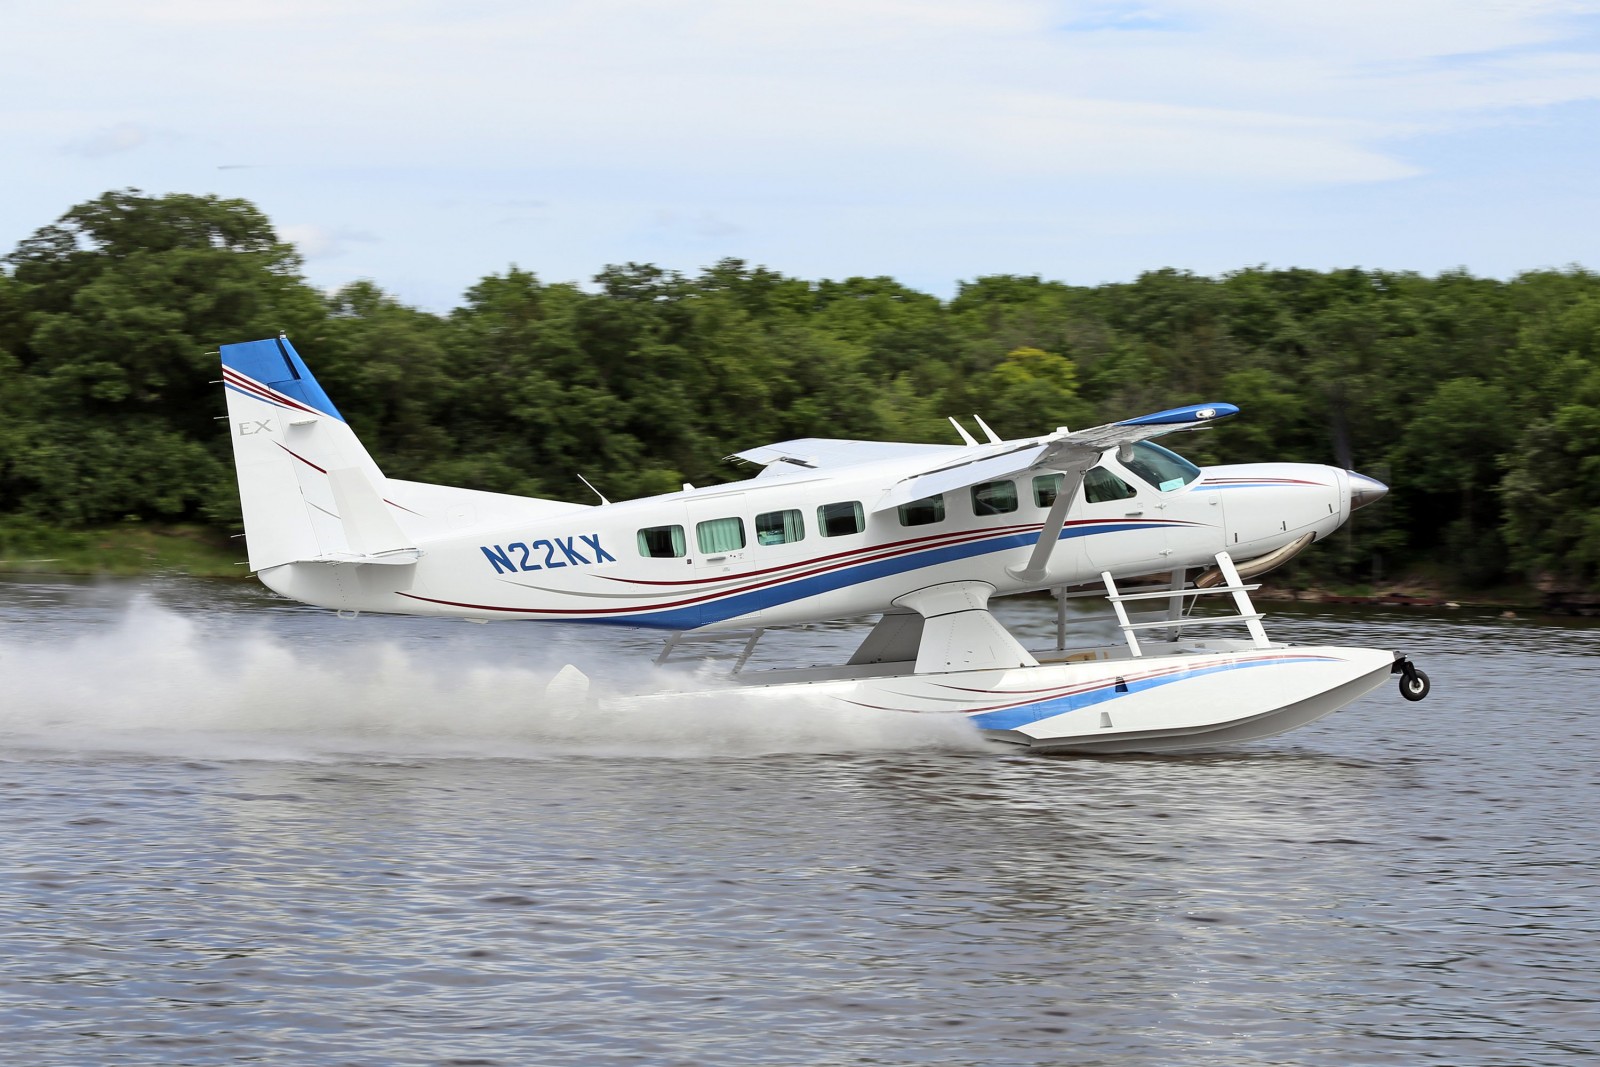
x=1077 y=137
x=1304 y=91
x=1370 y=31
x=703 y=223
x=900 y=115
x=235 y=12
x=318 y=242
x=108 y=141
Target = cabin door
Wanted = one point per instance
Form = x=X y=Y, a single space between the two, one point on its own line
x=722 y=543
x=1126 y=531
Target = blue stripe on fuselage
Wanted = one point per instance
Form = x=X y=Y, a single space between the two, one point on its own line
x=687 y=618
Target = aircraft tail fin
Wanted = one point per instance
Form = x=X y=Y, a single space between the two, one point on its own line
x=308 y=487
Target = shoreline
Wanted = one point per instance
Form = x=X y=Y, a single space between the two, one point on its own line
x=137 y=549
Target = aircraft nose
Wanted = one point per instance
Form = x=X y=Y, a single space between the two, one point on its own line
x=1364 y=490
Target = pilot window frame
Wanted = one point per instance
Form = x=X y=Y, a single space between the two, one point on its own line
x=923 y=512
x=1148 y=461
x=831 y=518
x=782 y=524
x=989 y=498
x=716 y=537
x=1101 y=491
x=649 y=538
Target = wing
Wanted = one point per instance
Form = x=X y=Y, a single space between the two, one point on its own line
x=821 y=453
x=1072 y=452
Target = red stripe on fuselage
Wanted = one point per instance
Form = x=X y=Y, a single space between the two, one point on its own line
x=779 y=580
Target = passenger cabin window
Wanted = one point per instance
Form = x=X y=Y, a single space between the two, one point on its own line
x=1162 y=468
x=780 y=527
x=719 y=535
x=839 y=520
x=1100 y=485
x=929 y=509
x=1046 y=488
x=994 y=498
x=663 y=542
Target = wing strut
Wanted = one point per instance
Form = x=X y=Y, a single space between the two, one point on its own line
x=1050 y=536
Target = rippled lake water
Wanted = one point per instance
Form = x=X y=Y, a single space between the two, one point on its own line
x=240 y=831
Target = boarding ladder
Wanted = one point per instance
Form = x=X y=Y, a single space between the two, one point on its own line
x=1176 y=617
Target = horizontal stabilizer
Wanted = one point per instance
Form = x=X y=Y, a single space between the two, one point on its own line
x=398 y=558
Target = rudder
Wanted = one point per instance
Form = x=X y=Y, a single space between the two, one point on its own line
x=308 y=488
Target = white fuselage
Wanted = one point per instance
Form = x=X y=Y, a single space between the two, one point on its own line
x=798 y=552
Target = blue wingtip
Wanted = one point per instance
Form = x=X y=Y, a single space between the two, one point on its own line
x=274 y=363
x=1194 y=414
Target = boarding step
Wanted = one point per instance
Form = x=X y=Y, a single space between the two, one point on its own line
x=1181 y=598
x=1187 y=591
x=1192 y=620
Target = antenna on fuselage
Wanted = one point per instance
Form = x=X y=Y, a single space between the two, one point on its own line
x=994 y=438
x=593 y=490
x=962 y=430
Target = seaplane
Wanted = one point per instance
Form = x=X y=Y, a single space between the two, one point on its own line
x=920 y=536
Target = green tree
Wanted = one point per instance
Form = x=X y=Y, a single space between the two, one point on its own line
x=117 y=309
x=109 y=319
x=1552 y=496
x=1032 y=392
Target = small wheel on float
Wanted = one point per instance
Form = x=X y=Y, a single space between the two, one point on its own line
x=1414 y=685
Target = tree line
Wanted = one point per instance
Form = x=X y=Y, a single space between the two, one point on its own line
x=1476 y=399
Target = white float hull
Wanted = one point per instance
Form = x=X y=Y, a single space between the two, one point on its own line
x=1156 y=703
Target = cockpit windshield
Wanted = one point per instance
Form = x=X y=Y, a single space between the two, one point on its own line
x=1161 y=467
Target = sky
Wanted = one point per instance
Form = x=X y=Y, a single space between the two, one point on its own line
x=425 y=145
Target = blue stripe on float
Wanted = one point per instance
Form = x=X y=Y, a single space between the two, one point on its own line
x=1011 y=718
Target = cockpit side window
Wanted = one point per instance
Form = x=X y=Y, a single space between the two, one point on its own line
x=1100 y=485
x=1161 y=467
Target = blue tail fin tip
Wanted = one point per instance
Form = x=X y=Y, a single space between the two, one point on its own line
x=274 y=363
